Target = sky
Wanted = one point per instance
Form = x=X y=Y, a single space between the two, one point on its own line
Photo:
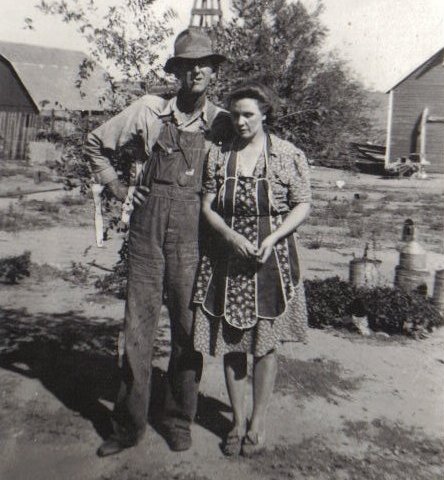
x=381 y=40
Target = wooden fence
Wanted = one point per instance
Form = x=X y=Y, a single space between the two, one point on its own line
x=16 y=130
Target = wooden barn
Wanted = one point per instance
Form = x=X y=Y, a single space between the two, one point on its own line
x=415 y=124
x=37 y=89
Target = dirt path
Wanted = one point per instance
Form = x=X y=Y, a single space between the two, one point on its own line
x=345 y=407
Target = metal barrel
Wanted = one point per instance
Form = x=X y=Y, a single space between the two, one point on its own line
x=409 y=261
x=413 y=257
x=438 y=291
x=364 y=272
x=409 y=280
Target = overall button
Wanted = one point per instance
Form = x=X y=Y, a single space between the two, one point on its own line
x=185 y=177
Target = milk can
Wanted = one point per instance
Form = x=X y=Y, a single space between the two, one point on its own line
x=411 y=272
x=364 y=271
x=438 y=291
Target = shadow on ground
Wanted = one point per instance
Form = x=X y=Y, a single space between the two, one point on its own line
x=75 y=359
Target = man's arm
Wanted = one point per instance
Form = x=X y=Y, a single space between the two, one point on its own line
x=138 y=121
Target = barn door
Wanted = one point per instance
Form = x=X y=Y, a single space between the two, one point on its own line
x=435 y=146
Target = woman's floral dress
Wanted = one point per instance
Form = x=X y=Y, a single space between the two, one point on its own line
x=244 y=306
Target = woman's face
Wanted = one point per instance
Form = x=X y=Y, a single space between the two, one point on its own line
x=247 y=117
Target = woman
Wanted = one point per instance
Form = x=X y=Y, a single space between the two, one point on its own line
x=256 y=194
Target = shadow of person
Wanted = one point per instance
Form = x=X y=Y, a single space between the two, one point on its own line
x=74 y=357
x=71 y=355
x=209 y=410
x=210 y=415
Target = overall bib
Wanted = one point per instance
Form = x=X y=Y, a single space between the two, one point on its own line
x=163 y=258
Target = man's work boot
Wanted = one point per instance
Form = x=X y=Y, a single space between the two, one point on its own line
x=178 y=437
x=112 y=446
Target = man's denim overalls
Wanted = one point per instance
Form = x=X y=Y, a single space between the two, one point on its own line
x=163 y=254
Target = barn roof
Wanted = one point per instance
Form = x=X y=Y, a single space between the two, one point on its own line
x=420 y=68
x=49 y=75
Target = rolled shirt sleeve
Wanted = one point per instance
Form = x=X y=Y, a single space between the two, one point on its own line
x=290 y=178
x=209 y=183
x=299 y=190
x=137 y=122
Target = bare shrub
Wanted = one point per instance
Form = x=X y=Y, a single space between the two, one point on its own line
x=356 y=227
x=339 y=210
x=13 y=269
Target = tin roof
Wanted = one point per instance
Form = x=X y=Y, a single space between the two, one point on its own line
x=49 y=75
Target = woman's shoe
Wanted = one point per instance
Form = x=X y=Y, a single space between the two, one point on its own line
x=253 y=443
x=232 y=444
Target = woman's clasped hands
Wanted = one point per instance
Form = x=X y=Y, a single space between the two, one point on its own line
x=245 y=249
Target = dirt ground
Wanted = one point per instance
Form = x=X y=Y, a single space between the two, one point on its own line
x=345 y=406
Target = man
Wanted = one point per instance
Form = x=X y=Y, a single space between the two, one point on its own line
x=163 y=240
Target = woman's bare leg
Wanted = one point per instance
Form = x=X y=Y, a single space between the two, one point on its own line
x=264 y=375
x=235 y=367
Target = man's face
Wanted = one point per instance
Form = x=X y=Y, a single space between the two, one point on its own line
x=195 y=75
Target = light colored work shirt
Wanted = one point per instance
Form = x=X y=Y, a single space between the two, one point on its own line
x=140 y=124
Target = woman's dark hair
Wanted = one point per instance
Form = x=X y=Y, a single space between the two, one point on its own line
x=265 y=97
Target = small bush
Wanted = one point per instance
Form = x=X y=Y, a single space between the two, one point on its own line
x=391 y=310
x=42 y=206
x=327 y=301
x=71 y=201
x=339 y=210
x=115 y=283
x=314 y=243
x=437 y=225
x=13 y=269
x=78 y=274
x=356 y=227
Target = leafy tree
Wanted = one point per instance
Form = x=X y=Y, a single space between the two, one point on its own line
x=126 y=36
x=322 y=106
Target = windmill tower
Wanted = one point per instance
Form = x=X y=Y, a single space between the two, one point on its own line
x=205 y=14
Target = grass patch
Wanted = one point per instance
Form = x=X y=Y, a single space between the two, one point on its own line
x=38 y=214
x=357 y=216
x=71 y=200
x=314 y=243
x=395 y=438
x=78 y=274
x=312 y=459
x=315 y=378
x=41 y=206
x=7 y=172
x=339 y=210
x=44 y=272
x=154 y=472
x=356 y=228
x=15 y=268
x=16 y=219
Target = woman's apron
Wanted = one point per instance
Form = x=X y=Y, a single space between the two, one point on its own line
x=243 y=290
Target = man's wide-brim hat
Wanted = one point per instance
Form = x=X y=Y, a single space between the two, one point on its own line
x=192 y=44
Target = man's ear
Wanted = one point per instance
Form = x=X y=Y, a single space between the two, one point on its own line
x=215 y=72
